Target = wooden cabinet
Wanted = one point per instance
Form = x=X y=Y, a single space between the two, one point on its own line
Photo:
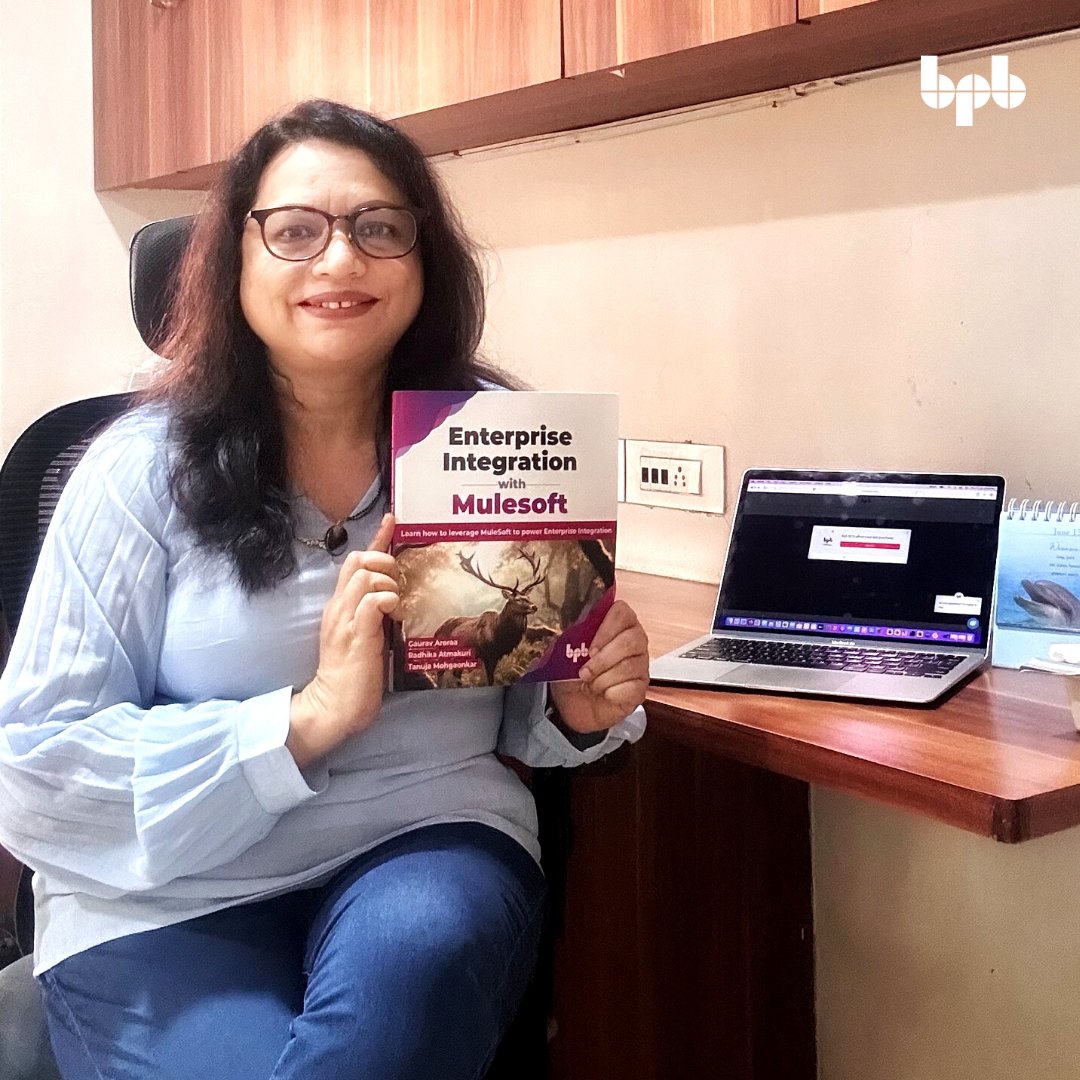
x=176 y=88
x=167 y=98
x=607 y=33
x=687 y=946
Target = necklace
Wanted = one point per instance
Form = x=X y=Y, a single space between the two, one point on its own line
x=335 y=538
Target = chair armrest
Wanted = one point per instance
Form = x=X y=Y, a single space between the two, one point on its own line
x=25 y=1053
x=10 y=873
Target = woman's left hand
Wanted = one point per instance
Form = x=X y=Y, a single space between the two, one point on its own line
x=612 y=683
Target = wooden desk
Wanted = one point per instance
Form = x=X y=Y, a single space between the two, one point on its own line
x=688 y=944
x=1000 y=757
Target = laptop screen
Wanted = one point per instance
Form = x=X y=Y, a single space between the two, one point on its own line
x=909 y=557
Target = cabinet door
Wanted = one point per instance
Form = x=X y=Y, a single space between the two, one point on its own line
x=299 y=49
x=165 y=95
x=395 y=57
x=177 y=87
x=177 y=58
x=686 y=948
x=121 y=92
x=430 y=53
x=606 y=33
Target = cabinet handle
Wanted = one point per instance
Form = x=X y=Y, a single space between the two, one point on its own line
x=166 y=3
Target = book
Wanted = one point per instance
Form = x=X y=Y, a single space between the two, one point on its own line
x=506 y=509
x=1038 y=582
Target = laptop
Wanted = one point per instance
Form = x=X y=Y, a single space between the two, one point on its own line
x=851 y=584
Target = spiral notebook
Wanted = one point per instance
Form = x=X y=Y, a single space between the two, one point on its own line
x=1038 y=581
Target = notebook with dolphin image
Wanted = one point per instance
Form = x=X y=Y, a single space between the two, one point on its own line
x=1038 y=605
x=851 y=584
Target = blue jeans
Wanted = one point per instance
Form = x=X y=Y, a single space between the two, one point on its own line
x=409 y=963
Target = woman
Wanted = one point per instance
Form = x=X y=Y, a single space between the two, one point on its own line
x=249 y=861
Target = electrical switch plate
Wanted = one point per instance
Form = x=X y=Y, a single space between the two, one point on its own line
x=622 y=471
x=675 y=475
x=684 y=476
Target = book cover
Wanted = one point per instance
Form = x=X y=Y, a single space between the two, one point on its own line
x=506 y=505
x=1038 y=583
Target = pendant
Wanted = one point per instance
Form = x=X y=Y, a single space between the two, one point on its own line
x=336 y=538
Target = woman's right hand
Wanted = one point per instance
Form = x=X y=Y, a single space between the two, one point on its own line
x=344 y=697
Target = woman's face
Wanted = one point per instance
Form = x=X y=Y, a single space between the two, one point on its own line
x=287 y=304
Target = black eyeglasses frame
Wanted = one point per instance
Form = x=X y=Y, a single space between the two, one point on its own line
x=415 y=212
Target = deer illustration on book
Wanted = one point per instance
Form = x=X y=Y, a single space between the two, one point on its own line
x=457 y=637
x=494 y=634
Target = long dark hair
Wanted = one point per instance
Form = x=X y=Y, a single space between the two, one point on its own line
x=228 y=471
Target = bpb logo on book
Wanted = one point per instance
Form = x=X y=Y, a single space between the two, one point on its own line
x=972 y=91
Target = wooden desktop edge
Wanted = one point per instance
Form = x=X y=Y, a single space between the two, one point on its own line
x=1000 y=757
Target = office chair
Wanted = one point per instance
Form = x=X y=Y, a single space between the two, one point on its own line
x=31 y=479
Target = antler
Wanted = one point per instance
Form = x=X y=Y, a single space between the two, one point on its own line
x=469 y=566
x=534 y=564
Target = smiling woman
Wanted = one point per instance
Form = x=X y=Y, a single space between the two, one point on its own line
x=263 y=865
x=315 y=342
x=335 y=313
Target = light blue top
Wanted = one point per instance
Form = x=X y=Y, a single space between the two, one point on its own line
x=144 y=710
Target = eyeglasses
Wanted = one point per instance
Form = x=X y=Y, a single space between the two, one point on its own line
x=297 y=233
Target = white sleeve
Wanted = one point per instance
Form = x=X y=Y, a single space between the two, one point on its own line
x=100 y=788
x=528 y=734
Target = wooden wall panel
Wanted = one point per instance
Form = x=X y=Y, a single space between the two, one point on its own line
x=167 y=88
x=733 y=18
x=417 y=61
x=612 y=32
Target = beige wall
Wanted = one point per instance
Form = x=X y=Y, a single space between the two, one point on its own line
x=844 y=279
x=940 y=955
x=65 y=322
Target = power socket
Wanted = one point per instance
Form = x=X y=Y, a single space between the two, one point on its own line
x=685 y=476
x=670 y=474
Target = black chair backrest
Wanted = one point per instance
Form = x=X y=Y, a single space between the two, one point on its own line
x=33 y=475
x=39 y=464
x=154 y=259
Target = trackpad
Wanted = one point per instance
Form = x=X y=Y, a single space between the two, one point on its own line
x=753 y=675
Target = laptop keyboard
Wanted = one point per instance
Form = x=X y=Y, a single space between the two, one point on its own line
x=924 y=665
